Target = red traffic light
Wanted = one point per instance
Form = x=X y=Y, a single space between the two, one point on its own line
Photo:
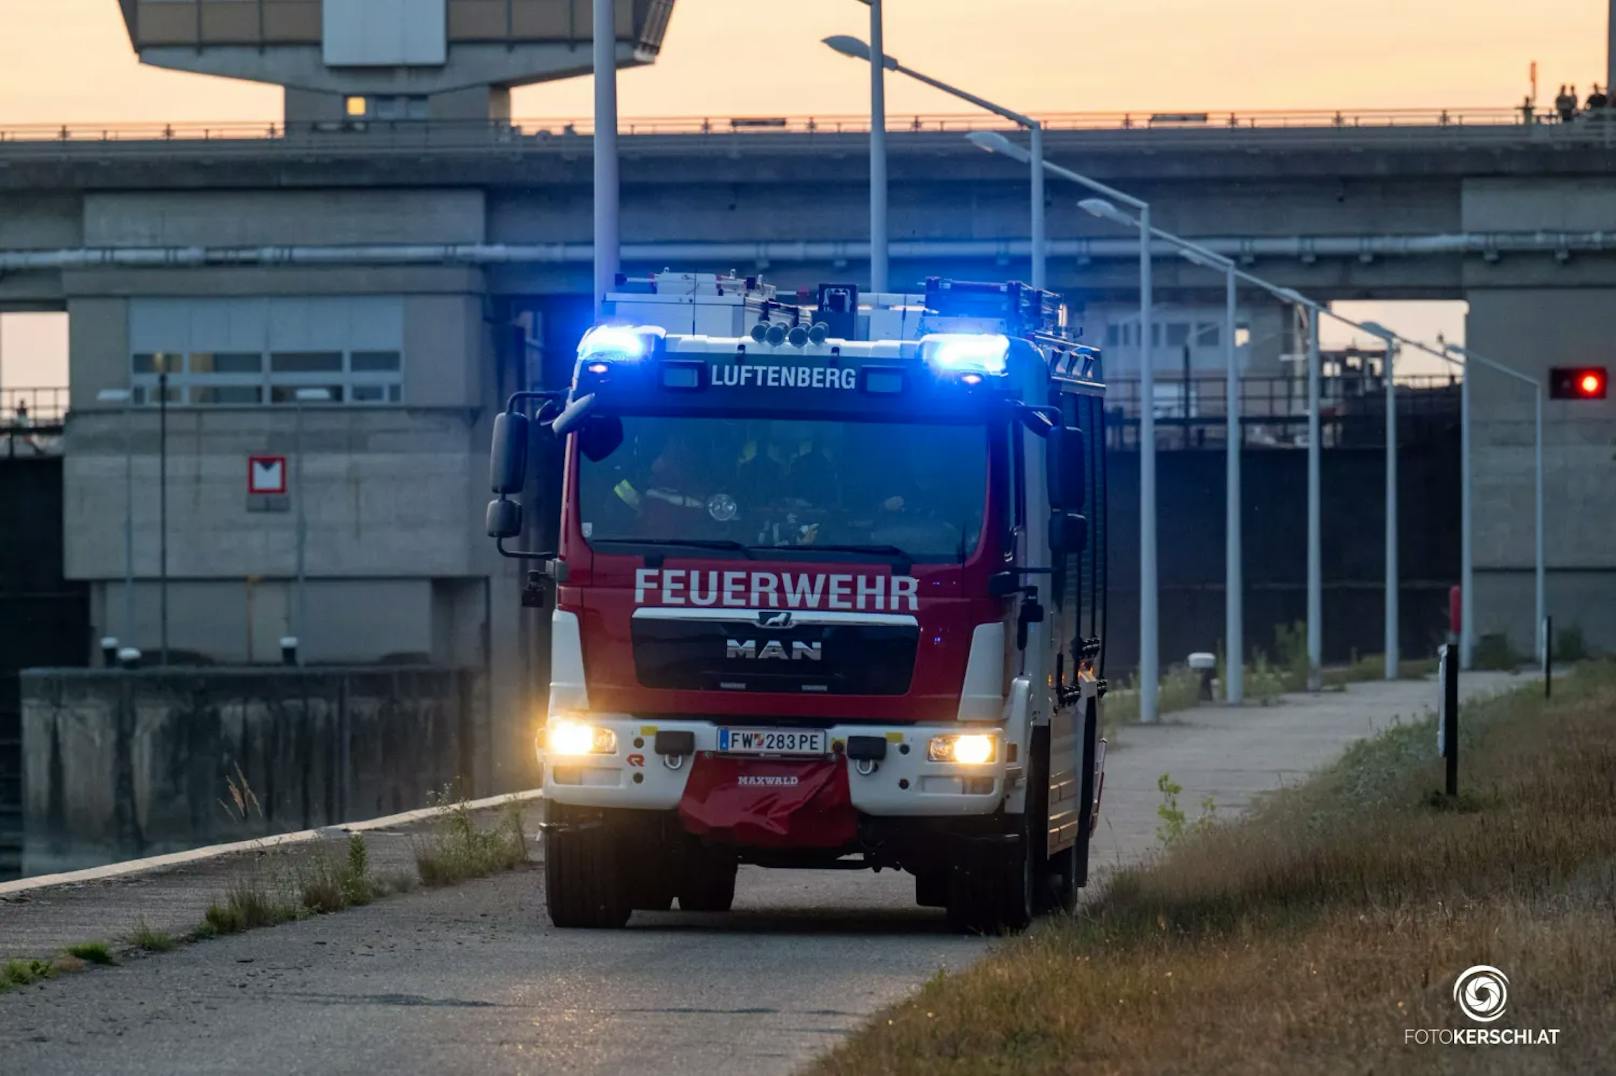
x=1578 y=383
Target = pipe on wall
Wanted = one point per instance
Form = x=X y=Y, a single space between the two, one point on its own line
x=1366 y=247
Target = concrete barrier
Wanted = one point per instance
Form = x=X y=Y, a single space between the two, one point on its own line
x=119 y=764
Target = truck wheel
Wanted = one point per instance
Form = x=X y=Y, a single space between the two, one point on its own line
x=583 y=876
x=707 y=881
x=931 y=888
x=991 y=884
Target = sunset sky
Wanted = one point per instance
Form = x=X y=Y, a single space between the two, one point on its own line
x=69 y=61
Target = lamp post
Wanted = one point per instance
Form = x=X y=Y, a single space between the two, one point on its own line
x=1538 y=573
x=878 y=154
x=125 y=397
x=301 y=397
x=1234 y=687
x=1105 y=207
x=858 y=50
x=1391 y=340
x=1315 y=456
x=162 y=507
x=604 y=43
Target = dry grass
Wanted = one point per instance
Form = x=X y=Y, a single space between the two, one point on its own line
x=1309 y=936
x=456 y=850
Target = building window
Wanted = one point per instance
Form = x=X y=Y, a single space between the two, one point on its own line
x=258 y=351
x=244 y=379
x=357 y=108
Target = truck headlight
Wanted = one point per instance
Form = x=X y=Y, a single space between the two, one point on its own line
x=567 y=736
x=964 y=748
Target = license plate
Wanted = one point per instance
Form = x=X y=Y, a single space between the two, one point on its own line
x=773 y=741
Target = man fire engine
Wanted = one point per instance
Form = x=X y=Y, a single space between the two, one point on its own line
x=829 y=592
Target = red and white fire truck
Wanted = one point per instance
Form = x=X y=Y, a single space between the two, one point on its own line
x=829 y=592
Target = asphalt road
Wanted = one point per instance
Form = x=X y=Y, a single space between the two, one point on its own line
x=474 y=979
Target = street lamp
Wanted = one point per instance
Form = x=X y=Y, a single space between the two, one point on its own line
x=604 y=31
x=1390 y=372
x=124 y=397
x=1233 y=583
x=1315 y=456
x=878 y=154
x=1149 y=660
x=301 y=397
x=858 y=50
x=1467 y=625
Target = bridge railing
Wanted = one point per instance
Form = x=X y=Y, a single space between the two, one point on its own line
x=1191 y=412
x=449 y=133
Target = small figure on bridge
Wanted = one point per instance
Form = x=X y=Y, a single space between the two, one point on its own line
x=1597 y=100
x=1566 y=104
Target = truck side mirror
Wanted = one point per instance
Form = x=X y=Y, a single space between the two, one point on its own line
x=504 y=518
x=1065 y=465
x=1068 y=533
x=507 y=455
x=573 y=415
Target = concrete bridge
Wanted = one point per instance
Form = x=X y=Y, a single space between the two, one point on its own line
x=451 y=260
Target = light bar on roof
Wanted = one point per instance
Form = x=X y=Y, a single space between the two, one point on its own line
x=965 y=353
x=619 y=342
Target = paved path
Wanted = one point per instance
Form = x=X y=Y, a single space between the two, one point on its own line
x=474 y=979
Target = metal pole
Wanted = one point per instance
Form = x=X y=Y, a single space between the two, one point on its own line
x=1610 y=45
x=1039 y=238
x=1149 y=672
x=162 y=510
x=1233 y=601
x=1467 y=574
x=606 y=190
x=1315 y=528
x=1537 y=509
x=1392 y=652
x=129 y=523
x=302 y=535
x=878 y=153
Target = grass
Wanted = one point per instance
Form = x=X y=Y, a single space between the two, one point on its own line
x=1308 y=936
x=456 y=850
x=148 y=939
x=91 y=952
x=19 y=973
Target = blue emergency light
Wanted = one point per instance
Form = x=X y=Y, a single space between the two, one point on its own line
x=619 y=343
x=966 y=353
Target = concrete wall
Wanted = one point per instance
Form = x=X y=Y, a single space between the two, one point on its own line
x=1534 y=329
x=118 y=765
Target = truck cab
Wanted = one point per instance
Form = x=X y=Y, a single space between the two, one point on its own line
x=829 y=591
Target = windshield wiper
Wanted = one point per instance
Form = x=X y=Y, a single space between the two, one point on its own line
x=727 y=544
x=902 y=557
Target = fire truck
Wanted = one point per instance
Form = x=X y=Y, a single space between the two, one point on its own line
x=828 y=592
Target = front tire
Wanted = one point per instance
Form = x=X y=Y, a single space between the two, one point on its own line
x=707 y=880
x=991 y=883
x=584 y=883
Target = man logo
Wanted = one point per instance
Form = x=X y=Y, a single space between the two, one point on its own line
x=775 y=619
x=773 y=650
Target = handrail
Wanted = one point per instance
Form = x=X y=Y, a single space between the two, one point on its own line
x=1315 y=120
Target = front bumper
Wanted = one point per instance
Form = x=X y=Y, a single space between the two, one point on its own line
x=904 y=784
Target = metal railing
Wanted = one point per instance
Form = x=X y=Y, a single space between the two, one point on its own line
x=1191 y=413
x=449 y=133
x=31 y=421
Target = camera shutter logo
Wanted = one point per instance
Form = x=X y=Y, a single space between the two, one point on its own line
x=1482 y=992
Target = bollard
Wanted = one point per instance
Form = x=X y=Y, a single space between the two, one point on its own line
x=109 y=651
x=1205 y=664
x=129 y=657
x=289 y=649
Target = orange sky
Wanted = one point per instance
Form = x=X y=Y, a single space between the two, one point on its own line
x=70 y=61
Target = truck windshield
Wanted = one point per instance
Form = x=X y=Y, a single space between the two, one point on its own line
x=919 y=489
